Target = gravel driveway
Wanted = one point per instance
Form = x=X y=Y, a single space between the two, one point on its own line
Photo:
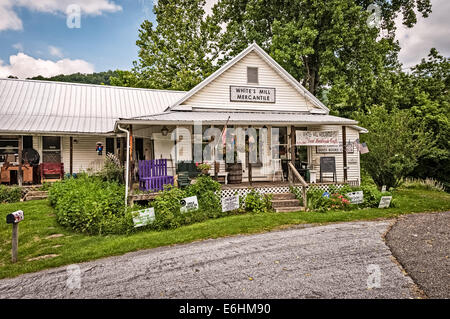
x=421 y=243
x=343 y=260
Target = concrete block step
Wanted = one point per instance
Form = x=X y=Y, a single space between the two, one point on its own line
x=37 y=193
x=285 y=202
x=27 y=198
x=283 y=196
x=289 y=209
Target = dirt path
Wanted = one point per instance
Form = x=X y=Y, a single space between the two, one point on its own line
x=421 y=243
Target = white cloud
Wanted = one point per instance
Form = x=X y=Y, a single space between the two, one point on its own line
x=431 y=32
x=24 y=66
x=56 y=52
x=10 y=21
x=8 y=18
x=18 y=47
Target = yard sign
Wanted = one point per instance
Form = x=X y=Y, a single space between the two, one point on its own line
x=356 y=197
x=230 y=203
x=385 y=202
x=188 y=204
x=144 y=217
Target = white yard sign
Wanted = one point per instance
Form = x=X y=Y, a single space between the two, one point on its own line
x=385 y=201
x=356 y=197
x=317 y=138
x=230 y=203
x=188 y=204
x=144 y=217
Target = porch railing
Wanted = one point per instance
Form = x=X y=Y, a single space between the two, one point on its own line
x=294 y=174
x=153 y=175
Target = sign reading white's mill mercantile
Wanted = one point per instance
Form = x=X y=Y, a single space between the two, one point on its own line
x=189 y=204
x=385 y=201
x=252 y=94
x=230 y=203
x=143 y=217
x=317 y=138
x=356 y=197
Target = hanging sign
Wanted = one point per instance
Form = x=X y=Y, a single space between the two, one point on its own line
x=143 y=217
x=334 y=149
x=356 y=197
x=318 y=138
x=189 y=204
x=252 y=94
x=230 y=203
x=385 y=201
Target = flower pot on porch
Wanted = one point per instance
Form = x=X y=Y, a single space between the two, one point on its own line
x=234 y=173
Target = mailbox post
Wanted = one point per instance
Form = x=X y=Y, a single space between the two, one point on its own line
x=14 y=219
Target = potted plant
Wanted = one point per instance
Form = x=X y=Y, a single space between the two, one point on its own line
x=204 y=168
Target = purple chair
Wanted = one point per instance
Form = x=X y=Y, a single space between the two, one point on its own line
x=153 y=175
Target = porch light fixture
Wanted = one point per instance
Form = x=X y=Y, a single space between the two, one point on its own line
x=164 y=131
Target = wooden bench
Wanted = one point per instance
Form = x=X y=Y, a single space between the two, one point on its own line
x=153 y=175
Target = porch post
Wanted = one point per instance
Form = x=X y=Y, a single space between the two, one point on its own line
x=344 y=152
x=71 y=155
x=130 y=155
x=293 y=145
x=20 y=171
x=248 y=160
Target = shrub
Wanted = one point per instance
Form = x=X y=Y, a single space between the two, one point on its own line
x=90 y=205
x=10 y=194
x=112 y=171
x=167 y=204
x=258 y=203
x=427 y=184
x=207 y=191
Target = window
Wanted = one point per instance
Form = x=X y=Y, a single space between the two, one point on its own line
x=8 y=145
x=109 y=145
x=27 y=142
x=252 y=75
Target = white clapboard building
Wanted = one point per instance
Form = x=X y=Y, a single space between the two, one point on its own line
x=65 y=122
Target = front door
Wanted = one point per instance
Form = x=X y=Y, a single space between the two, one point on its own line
x=51 y=149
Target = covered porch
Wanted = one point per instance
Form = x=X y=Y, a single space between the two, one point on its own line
x=278 y=139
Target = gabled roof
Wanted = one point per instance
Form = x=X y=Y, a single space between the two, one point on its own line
x=269 y=60
x=60 y=107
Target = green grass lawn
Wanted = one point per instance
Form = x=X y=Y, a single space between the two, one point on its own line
x=40 y=223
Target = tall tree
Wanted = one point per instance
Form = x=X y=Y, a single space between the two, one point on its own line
x=319 y=42
x=178 y=52
x=396 y=142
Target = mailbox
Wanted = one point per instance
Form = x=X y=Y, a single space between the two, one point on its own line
x=15 y=217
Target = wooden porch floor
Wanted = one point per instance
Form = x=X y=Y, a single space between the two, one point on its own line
x=273 y=184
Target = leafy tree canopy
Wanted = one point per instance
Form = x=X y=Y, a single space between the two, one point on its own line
x=102 y=78
x=179 y=51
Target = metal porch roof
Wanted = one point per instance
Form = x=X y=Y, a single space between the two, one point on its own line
x=219 y=117
x=57 y=107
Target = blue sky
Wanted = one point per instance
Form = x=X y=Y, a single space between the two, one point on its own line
x=35 y=40
x=104 y=41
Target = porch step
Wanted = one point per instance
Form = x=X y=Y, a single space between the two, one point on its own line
x=34 y=195
x=283 y=196
x=289 y=209
x=286 y=202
